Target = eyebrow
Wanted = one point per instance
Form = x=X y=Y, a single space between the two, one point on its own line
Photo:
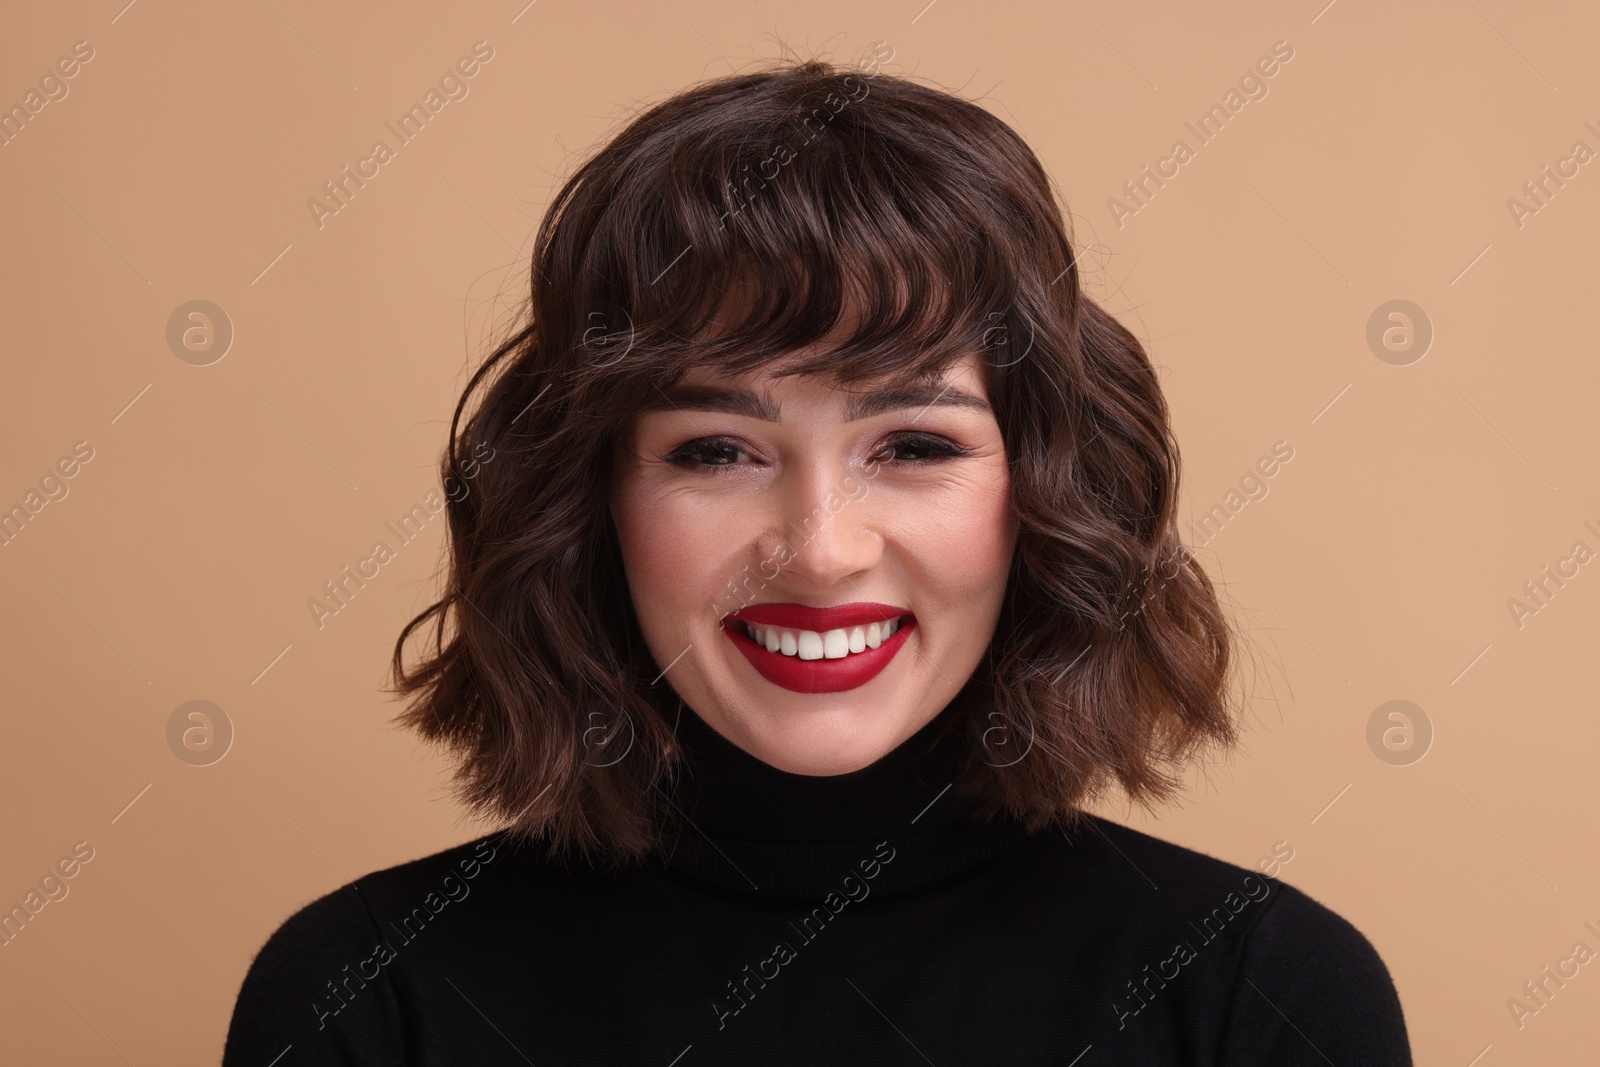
x=746 y=402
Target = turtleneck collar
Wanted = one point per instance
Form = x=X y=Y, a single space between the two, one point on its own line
x=751 y=828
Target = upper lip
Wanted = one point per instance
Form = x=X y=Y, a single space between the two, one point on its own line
x=818 y=620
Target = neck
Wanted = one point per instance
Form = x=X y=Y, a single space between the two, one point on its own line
x=748 y=827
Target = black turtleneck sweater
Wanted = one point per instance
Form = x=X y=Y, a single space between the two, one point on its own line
x=851 y=919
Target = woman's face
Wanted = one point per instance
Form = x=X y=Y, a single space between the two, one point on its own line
x=751 y=503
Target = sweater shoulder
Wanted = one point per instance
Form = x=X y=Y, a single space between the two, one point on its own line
x=1300 y=983
x=351 y=911
x=1300 y=925
x=1290 y=920
x=300 y=980
x=1180 y=875
x=280 y=1003
x=1311 y=986
x=403 y=885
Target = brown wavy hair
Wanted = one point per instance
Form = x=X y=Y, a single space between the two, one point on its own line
x=821 y=196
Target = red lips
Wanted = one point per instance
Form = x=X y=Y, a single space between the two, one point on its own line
x=818 y=620
x=818 y=675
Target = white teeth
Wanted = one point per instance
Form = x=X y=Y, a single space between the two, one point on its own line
x=831 y=644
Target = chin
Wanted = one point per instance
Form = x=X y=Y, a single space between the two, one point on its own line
x=829 y=744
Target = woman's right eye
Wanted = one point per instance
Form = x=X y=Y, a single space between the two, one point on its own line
x=706 y=453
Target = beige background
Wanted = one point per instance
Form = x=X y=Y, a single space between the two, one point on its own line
x=220 y=498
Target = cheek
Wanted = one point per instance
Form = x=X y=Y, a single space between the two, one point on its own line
x=962 y=540
x=678 y=549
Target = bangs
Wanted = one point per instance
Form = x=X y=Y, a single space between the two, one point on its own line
x=807 y=214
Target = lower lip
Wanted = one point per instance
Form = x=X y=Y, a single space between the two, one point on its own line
x=819 y=675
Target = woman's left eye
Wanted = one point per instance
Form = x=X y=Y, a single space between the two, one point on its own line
x=932 y=448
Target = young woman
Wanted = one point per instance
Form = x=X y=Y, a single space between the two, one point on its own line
x=825 y=570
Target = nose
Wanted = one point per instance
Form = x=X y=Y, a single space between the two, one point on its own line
x=821 y=514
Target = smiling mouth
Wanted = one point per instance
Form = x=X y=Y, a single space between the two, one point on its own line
x=826 y=644
x=820 y=661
